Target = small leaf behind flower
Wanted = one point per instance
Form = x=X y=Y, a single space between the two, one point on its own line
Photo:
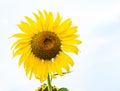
x=63 y=73
x=63 y=89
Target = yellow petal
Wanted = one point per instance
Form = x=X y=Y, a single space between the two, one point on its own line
x=42 y=70
x=46 y=20
x=21 y=42
x=42 y=20
x=49 y=21
x=70 y=48
x=21 y=51
x=28 y=64
x=19 y=46
x=25 y=27
x=57 y=22
x=20 y=35
x=70 y=37
x=50 y=67
x=46 y=13
x=58 y=66
x=31 y=74
x=33 y=25
x=30 y=21
x=45 y=69
x=38 y=67
x=71 y=42
x=68 y=59
x=64 y=26
x=70 y=31
x=23 y=58
x=35 y=67
x=39 y=24
x=64 y=62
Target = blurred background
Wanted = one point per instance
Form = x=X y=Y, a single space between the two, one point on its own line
x=97 y=67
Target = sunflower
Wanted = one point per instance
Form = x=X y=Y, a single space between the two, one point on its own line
x=43 y=45
x=44 y=87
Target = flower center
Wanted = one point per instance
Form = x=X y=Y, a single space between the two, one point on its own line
x=47 y=41
x=45 y=45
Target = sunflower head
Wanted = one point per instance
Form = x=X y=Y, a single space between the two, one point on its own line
x=43 y=45
x=44 y=87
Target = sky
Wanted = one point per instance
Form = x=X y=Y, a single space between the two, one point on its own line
x=97 y=66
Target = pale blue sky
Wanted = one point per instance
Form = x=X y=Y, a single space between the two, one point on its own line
x=97 y=67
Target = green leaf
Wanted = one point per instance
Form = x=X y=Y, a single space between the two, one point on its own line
x=63 y=73
x=63 y=89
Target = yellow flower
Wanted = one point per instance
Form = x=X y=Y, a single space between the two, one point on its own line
x=45 y=88
x=43 y=44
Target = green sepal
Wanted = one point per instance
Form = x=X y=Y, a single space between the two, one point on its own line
x=63 y=89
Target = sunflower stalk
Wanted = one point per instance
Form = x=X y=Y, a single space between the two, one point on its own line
x=49 y=83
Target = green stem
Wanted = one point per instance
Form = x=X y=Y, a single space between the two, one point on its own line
x=49 y=83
